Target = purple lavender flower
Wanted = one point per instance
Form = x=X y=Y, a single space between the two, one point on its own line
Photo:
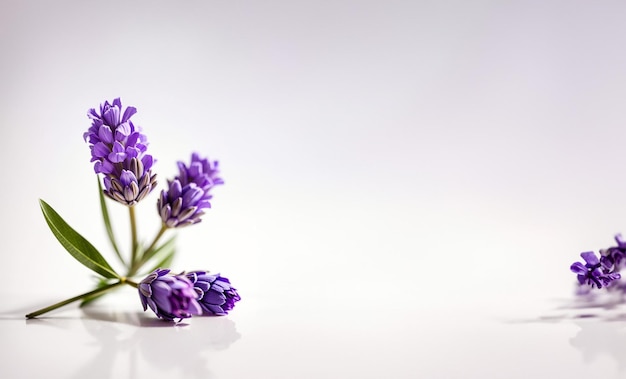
x=187 y=196
x=119 y=151
x=181 y=206
x=614 y=256
x=215 y=294
x=169 y=296
x=593 y=272
x=200 y=171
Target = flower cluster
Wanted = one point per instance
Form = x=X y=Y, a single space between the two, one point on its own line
x=188 y=194
x=594 y=272
x=615 y=256
x=603 y=271
x=169 y=296
x=181 y=296
x=119 y=152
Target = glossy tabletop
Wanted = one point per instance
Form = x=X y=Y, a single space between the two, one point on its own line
x=406 y=184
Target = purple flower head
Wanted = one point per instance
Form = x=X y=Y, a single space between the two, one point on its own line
x=119 y=151
x=169 y=296
x=615 y=256
x=593 y=273
x=215 y=294
x=187 y=196
x=180 y=206
x=201 y=172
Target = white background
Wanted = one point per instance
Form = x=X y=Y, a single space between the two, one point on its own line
x=413 y=171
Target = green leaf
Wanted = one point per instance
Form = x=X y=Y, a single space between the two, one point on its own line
x=75 y=244
x=164 y=254
x=165 y=248
x=166 y=262
x=91 y=299
x=102 y=282
x=107 y=222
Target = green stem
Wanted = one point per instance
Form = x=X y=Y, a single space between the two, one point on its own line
x=147 y=253
x=133 y=232
x=79 y=297
x=107 y=223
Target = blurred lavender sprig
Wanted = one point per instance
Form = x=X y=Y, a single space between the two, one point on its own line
x=603 y=271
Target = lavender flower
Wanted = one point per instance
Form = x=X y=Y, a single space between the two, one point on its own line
x=200 y=171
x=614 y=256
x=215 y=294
x=187 y=196
x=119 y=151
x=181 y=206
x=169 y=296
x=594 y=272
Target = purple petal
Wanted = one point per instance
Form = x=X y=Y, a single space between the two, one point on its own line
x=161 y=293
x=204 y=286
x=620 y=241
x=144 y=302
x=111 y=116
x=214 y=298
x=590 y=257
x=175 y=190
x=216 y=309
x=128 y=113
x=122 y=131
x=107 y=167
x=127 y=177
x=105 y=134
x=147 y=161
x=194 y=308
x=100 y=150
x=118 y=154
x=192 y=195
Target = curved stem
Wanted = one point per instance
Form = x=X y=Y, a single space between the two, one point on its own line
x=76 y=298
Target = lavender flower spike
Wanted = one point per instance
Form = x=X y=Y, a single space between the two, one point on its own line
x=593 y=272
x=614 y=256
x=200 y=171
x=119 y=151
x=216 y=295
x=180 y=206
x=187 y=196
x=169 y=296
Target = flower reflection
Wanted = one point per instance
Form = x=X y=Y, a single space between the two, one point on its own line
x=599 y=337
x=135 y=341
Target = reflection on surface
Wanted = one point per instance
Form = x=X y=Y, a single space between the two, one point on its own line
x=129 y=344
x=602 y=322
x=601 y=337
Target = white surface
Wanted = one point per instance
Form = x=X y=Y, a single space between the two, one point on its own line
x=320 y=339
x=405 y=181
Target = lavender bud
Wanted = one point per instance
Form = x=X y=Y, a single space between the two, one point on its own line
x=169 y=296
x=215 y=294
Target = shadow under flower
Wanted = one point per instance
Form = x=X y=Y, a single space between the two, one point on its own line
x=137 y=318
